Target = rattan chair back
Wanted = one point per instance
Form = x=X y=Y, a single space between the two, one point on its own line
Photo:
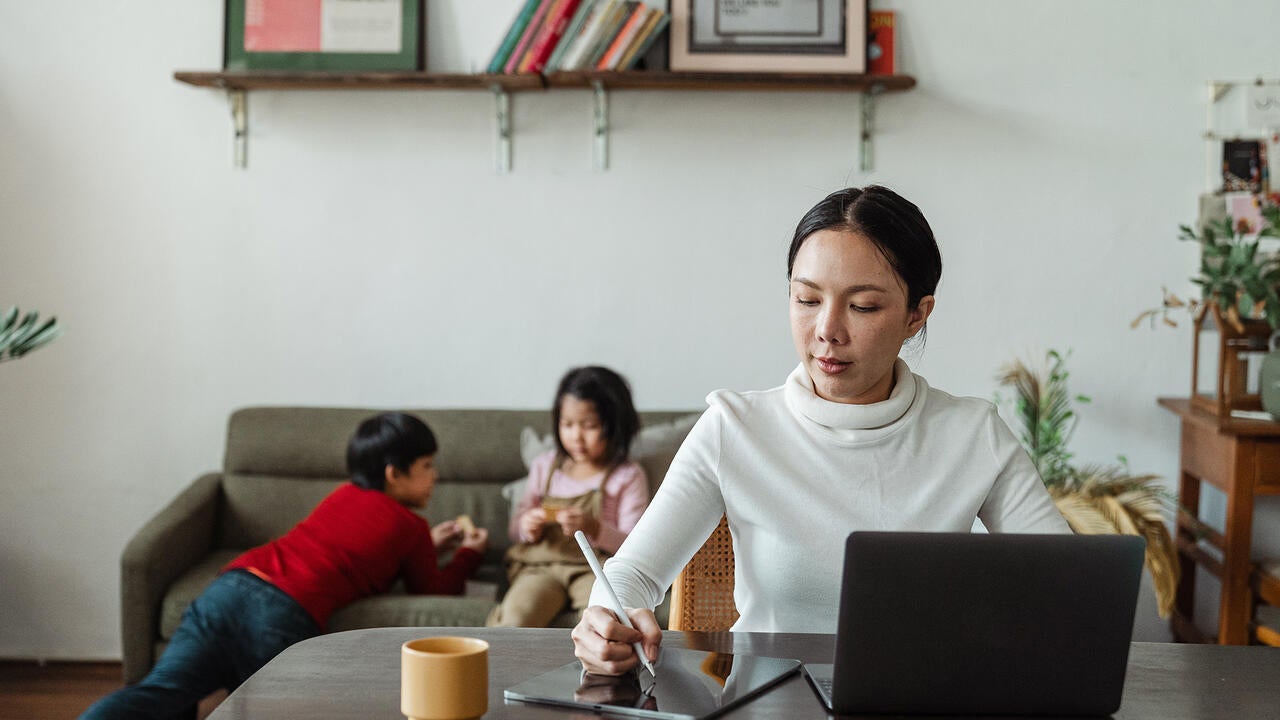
x=702 y=595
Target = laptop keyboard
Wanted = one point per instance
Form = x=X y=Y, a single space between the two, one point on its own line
x=825 y=685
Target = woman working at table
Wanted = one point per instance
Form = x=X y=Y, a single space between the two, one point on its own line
x=852 y=440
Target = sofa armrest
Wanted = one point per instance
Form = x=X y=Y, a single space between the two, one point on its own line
x=165 y=547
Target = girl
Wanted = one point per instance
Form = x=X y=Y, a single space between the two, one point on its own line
x=852 y=440
x=586 y=483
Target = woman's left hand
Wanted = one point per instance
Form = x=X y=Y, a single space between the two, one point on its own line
x=573 y=519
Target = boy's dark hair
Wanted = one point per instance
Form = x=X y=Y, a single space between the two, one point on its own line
x=391 y=438
x=611 y=395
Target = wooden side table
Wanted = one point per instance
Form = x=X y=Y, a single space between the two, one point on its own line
x=1242 y=459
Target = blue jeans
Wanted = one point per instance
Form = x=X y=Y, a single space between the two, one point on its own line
x=236 y=625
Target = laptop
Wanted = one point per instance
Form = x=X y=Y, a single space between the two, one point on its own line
x=974 y=624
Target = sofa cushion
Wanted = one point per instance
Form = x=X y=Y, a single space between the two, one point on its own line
x=393 y=609
x=482 y=502
x=257 y=509
x=312 y=442
x=188 y=587
x=654 y=446
x=399 y=610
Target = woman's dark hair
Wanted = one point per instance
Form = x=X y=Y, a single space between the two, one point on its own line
x=891 y=222
x=391 y=438
x=611 y=395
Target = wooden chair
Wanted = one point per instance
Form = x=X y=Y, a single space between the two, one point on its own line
x=702 y=594
x=1266 y=594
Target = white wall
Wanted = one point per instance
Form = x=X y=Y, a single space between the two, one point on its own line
x=370 y=256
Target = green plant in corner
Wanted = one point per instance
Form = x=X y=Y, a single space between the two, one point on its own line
x=1234 y=273
x=1094 y=499
x=21 y=336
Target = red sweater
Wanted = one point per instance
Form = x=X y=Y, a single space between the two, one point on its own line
x=355 y=544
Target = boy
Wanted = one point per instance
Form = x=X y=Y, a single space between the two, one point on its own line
x=355 y=543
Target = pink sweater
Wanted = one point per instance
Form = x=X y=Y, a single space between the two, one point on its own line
x=624 y=498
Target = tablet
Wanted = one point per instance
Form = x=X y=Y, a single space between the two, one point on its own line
x=691 y=685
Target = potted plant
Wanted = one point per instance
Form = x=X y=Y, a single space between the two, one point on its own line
x=1235 y=274
x=1094 y=499
x=1237 y=312
x=19 y=337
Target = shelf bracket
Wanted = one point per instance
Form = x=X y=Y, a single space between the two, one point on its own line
x=239 y=100
x=601 y=126
x=867 y=111
x=502 y=116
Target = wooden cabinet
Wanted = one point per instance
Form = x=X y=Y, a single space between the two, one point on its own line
x=1242 y=459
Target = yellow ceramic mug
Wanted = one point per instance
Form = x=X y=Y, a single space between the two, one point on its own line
x=444 y=678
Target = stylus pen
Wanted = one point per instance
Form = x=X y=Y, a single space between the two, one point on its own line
x=594 y=562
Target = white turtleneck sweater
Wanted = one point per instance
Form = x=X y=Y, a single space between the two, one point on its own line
x=796 y=474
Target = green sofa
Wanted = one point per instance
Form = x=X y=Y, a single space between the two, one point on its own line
x=281 y=461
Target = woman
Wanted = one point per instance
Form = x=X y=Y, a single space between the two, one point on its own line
x=853 y=440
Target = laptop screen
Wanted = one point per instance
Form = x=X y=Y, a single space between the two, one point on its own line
x=976 y=623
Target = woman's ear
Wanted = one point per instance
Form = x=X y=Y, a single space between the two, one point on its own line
x=920 y=315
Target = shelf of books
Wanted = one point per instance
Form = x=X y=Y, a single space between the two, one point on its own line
x=650 y=80
x=239 y=82
x=618 y=80
x=291 y=80
x=599 y=45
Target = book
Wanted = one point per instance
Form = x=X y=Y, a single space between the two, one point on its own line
x=614 y=24
x=530 y=30
x=623 y=39
x=589 y=35
x=512 y=37
x=557 y=22
x=882 y=57
x=527 y=59
x=570 y=34
x=648 y=35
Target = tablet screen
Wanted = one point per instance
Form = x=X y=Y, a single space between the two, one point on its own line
x=691 y=685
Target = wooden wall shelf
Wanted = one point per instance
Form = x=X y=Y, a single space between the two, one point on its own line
x=238 y=83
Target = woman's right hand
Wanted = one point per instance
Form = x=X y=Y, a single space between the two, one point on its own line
x=604 y=645
x=531 y=523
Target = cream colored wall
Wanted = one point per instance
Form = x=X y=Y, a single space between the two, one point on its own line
x=370 y=256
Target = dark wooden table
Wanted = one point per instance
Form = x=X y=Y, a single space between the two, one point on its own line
x=356 y=674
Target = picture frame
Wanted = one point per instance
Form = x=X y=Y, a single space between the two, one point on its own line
x=789 y=36
x=324 y=35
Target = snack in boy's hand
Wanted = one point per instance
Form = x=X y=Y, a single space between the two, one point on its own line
x=465 y=524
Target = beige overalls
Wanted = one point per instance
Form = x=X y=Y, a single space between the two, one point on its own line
x=547 y=573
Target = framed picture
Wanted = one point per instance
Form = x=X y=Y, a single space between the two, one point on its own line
x=333 y=35
x=801 y=36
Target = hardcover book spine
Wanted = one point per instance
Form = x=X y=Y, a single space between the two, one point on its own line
x=570 y=35
x=590 y=34
x=543 y=29
x=557 y=23
x=648 y=35
x=609 y=60
x=513 y=36
x=881 y=53
x=530 y=31
x=611 y=28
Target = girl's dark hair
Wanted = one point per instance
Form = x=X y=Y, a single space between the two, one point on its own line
x=891 y=222
x=611 y=395
x=391 y=438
